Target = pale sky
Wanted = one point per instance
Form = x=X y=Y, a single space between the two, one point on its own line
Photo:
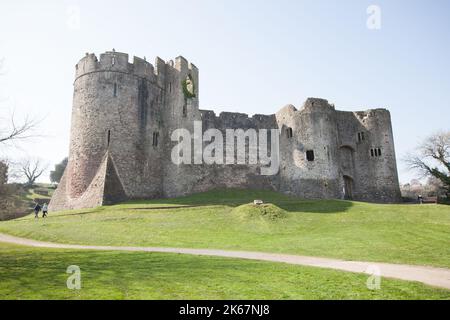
x=254 y=57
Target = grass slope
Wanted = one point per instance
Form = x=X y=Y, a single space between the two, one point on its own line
x=411 y=234
x=41 y=274
x=17 y=200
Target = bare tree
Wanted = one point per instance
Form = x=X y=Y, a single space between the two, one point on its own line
x=32 y=169
x=432 y=158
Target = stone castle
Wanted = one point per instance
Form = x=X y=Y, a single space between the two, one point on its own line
x=124 y=114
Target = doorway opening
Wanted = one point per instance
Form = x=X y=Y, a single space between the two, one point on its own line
x=348 y=188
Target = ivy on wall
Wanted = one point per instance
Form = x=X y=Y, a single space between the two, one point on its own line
x=188 y=94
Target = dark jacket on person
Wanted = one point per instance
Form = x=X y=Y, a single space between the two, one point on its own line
x=37 y=208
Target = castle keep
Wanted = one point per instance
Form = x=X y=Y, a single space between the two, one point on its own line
x=124 y=114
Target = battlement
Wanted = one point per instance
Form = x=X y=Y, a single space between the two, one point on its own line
x=119 y=62
x=182 y=65
x=235 y=117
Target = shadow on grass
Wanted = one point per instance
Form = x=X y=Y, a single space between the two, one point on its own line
x=236 y=197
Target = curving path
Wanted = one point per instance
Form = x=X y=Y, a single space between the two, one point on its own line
x=437 y=277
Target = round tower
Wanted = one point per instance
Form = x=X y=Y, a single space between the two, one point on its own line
x=116 y=111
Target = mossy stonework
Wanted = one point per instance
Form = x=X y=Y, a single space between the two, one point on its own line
x=124 y=114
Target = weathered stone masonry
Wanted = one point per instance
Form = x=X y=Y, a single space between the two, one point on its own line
x=124 y=114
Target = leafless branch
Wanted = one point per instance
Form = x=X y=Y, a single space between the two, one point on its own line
x=21 y=131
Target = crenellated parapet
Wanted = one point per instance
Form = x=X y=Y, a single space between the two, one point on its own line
x=112 y=61
x=235 y=119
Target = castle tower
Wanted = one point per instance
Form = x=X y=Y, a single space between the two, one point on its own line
x=308 y=149
x=116 y=117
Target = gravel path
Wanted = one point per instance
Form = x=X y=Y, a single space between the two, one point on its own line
x=437 y=277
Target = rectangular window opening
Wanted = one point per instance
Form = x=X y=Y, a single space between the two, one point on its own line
x=290 y=133
x=310 y=155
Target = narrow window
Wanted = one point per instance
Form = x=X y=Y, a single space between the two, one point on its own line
x=115 y=89
x=113 y=61
x=310 y=155
x=184 y=111
x=155 y=138
x=170 y=86
x=379 y=152
x=289 y=133
x=372 y=153
x=361 y=136
x=108 y=139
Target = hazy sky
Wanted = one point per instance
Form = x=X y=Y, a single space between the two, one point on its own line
x=253 y=56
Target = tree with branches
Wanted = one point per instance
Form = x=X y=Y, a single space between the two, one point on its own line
x=432 y=158
x=32 y=169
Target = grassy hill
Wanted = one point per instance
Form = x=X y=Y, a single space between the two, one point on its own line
x=18 y=200
x=411 y=234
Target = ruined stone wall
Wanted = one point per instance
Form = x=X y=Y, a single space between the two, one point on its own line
x=235 y=175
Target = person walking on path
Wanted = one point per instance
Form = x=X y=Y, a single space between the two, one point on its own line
x=37 y=208
x=44 y=210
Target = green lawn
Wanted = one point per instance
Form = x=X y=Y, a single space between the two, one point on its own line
x=411 y=234
x=30 y=273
